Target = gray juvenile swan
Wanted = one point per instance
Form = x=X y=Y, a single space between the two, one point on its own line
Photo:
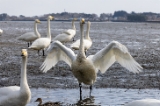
x=31 y=36
x=85 y=68
x=42 y=43
x=15 y=95
x=67 y=35
x=87 y=40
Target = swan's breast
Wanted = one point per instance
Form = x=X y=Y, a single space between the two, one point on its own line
x=84 y=71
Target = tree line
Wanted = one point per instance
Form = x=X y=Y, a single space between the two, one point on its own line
x=65 y=16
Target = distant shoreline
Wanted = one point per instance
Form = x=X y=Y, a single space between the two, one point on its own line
x=91 y=21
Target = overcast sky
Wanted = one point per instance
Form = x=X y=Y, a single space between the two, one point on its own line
x=40 y=7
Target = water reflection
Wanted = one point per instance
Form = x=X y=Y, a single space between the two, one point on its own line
x=103 y=97
x=86 y=101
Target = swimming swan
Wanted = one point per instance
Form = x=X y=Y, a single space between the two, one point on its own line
x=85 y=68
x=1 y=31
x=144 y=102
x=87 y=41
x=15 y=95
x=31 y=36
x=47 y=103
x=67 y=35
x=42 y=43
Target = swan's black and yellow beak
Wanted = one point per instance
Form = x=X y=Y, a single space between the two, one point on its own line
x=38 y=21
x=24 y=52
x=52 y=18
x=83 y=21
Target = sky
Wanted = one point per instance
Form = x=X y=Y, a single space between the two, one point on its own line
x=41 y=7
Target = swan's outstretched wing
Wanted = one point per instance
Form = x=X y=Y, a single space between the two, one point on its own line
x=115 y=51
x=56 y=52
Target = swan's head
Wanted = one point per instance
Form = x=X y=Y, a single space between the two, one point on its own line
x=37 y=21
x=24 y=52
x=82 y=21
x=50 y=17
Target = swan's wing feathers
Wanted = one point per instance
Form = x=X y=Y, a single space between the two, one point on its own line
x=55 y=54
x=8 y=90
x=115 y=51
x=69 y=31
x=76 y=44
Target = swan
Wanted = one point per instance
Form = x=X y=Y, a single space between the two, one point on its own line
x=47 y=103
x=67 y=35
x=87 y=41
x=15 y=95
x=144 y=102
x=31 y=36
x=85 y=68
x=42 y=43
x=1 y=31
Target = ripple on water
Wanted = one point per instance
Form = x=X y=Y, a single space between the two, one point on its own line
x=107 y=96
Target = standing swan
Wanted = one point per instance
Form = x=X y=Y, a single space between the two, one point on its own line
x=1 y=31
x=15 y=95
x=31 y=36
x=85 y=68
x=87 y=41
x=42 y=43
x=144 y=102
x=67 y=35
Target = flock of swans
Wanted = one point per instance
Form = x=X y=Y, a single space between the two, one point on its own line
x=83 y=67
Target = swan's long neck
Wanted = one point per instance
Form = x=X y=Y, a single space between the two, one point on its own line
x=36 y=31
x=24 y=83
x=73 y=25
x=49 y=30
x=81 y=50
x=87 y=33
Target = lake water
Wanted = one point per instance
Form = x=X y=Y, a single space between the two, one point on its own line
x=103 y=97
x=142 y=40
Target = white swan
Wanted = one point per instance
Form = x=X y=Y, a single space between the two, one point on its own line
x=31 y=36
x=42 y=43
x=15 y=95
x=67 y=35
x=1 y=31
x=85 y=68
x=144 y=102
x=87 y=41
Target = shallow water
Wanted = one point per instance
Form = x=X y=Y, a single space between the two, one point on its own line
x=142 y=40
x=103 y=97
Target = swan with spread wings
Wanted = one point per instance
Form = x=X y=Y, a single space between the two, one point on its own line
x=85 y=68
